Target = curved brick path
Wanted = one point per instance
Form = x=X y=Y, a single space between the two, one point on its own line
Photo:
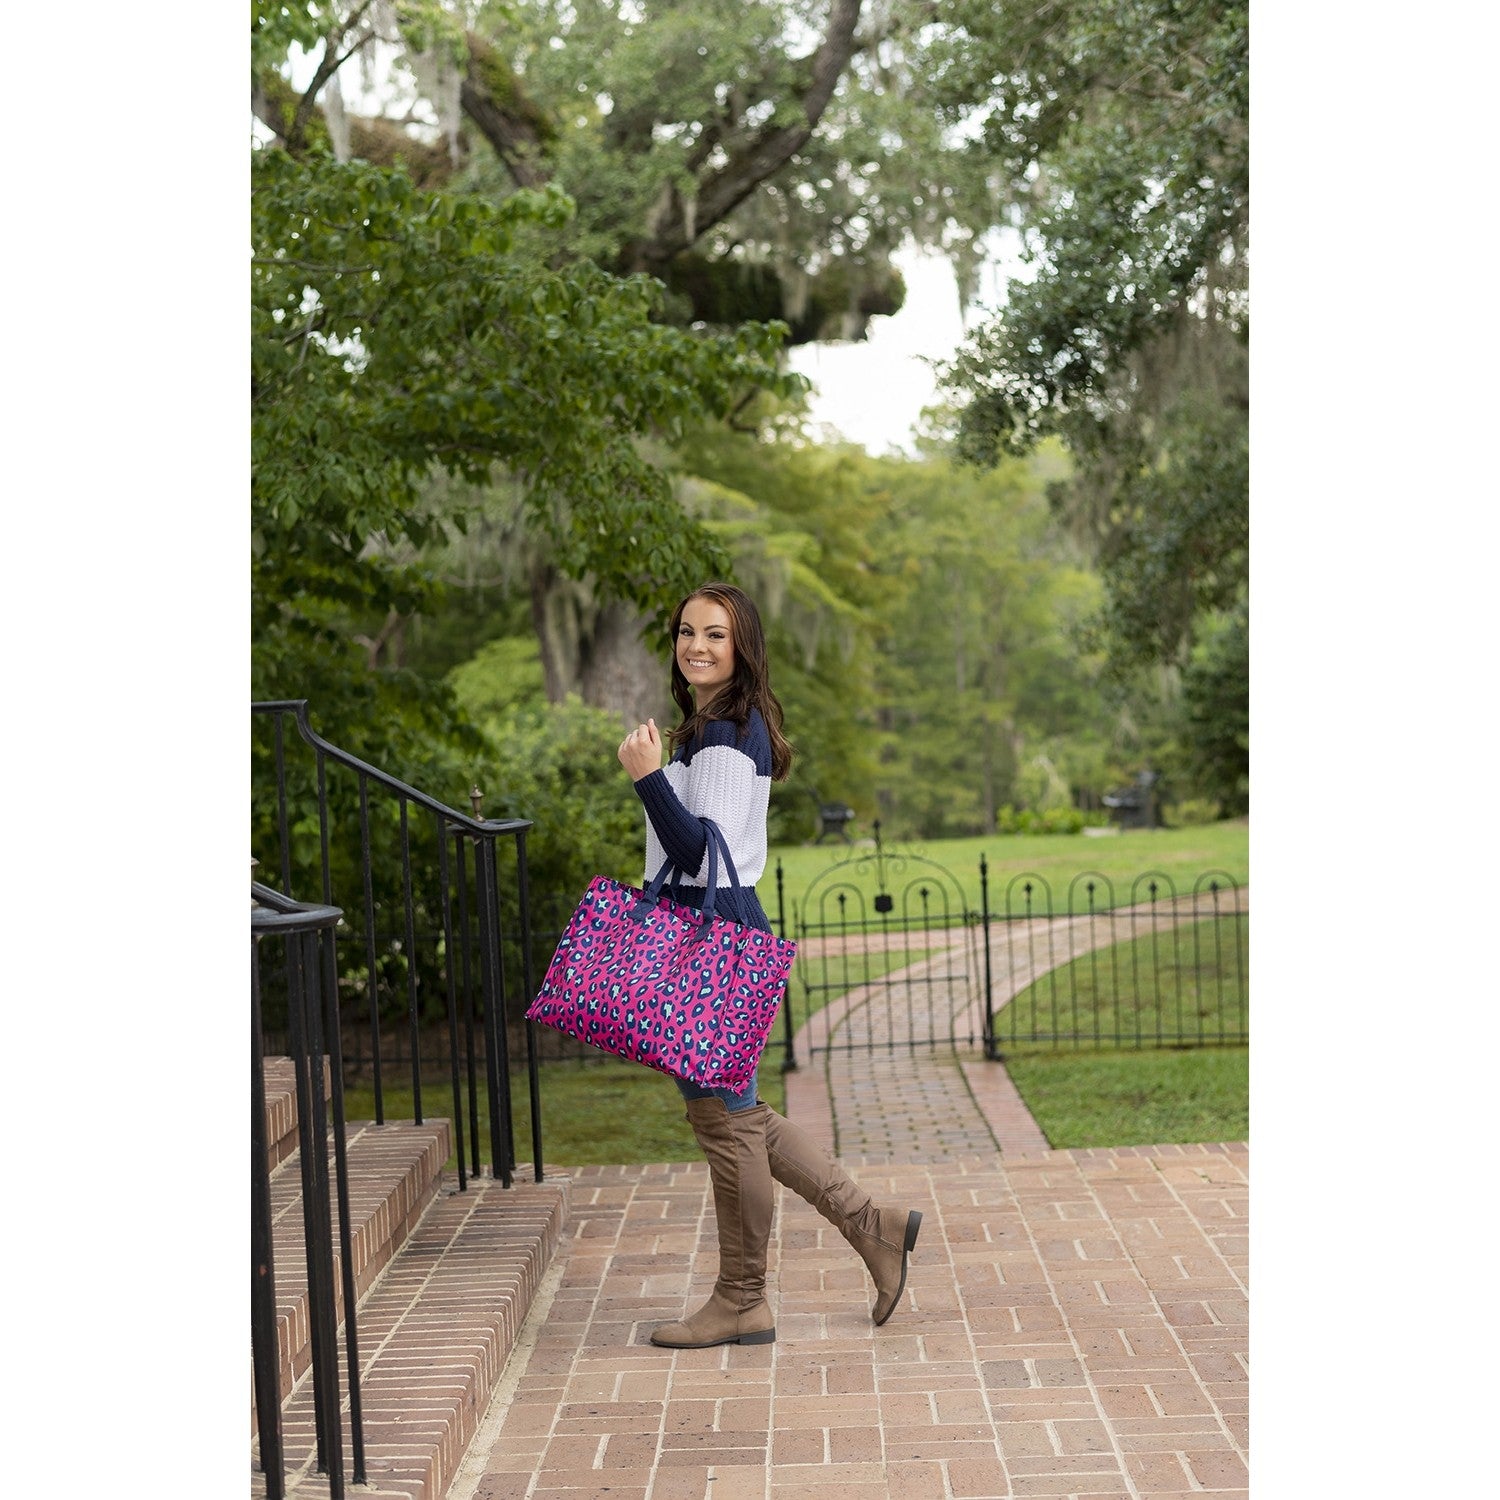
x=1074 y=1324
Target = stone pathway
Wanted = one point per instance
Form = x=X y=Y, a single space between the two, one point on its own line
x=1074 y=1323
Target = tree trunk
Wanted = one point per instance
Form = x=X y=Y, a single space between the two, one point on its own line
x=554 y=616
x=596 y=651
x=620 y=672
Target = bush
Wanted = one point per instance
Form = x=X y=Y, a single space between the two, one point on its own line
x=1191 y=812
x=1052 y=820
x=556 y=764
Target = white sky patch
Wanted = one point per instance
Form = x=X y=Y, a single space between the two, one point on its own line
x=873 y=393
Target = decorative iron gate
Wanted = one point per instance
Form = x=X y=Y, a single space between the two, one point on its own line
x=890 y=955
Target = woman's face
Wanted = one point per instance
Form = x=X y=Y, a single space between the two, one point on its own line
x=705 y=647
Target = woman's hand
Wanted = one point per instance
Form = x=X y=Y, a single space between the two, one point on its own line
x=640 y=750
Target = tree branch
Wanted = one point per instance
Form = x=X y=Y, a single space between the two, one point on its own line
x=516 y=134
x=763 y=155
x=332 y=60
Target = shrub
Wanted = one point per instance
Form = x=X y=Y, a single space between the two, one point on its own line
x=1191 y=812
x=556 y=764
x=1051 y=820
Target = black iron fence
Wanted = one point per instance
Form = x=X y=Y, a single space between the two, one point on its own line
x=1143 y=965
x=307 y=964
x=893 y=954
x=437 y=966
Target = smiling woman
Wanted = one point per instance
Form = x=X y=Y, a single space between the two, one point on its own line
x=725 y=754
x=705 y=647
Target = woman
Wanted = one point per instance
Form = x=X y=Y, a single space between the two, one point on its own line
x=725 y=753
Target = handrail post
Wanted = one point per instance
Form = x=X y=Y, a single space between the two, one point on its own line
x=496 y=1056
x=313 y=1027
x=335 y=1046
x=991 y=1053
x=449 y=985
x=533 y=1078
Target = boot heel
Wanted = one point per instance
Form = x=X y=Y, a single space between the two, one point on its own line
x=765 y=1336
x=913 y=1224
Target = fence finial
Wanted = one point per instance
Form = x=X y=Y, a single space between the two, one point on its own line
x=476 y=799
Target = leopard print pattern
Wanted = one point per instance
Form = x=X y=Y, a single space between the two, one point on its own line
x=664 y=988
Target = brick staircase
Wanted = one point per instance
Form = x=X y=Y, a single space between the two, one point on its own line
x=443 y=1280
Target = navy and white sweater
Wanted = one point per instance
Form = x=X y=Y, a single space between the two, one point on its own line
x=724 y=775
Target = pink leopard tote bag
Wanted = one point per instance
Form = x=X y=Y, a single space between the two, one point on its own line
x=686 y=992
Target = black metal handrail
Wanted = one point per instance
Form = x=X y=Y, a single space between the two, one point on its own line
x=308 y=935
x=469 y=956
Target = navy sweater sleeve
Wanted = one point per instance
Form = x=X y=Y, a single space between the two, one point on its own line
x=682 y=836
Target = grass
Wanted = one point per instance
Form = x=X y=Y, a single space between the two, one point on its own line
x=613 y=1111
x=1137 y=1098
x=607 y=1110
x=1131 y=1095
x=819 y=979
x=592 y=1112
x=1182 y=854
x=1174 y=986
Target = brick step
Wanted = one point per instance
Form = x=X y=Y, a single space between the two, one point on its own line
x=434 y=1336
x=281 y=1106
x=394 y=1173
x=281 y=1110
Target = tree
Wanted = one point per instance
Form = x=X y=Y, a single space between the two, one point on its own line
x=395 y=332
x=763 y=158
x=981 y=682
x=1216 y=710
x=1124 y=122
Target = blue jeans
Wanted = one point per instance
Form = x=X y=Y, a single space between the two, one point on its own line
x=734 y=1099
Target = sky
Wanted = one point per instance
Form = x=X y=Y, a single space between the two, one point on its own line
x=873 y=392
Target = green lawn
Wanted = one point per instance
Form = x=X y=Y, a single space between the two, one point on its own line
x=1136 y=1098
x=1187 y=984
x=1136 y=1093
x=593 y=1112
x=1181 y=854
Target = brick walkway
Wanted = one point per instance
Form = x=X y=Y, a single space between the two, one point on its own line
x=1074 y=1324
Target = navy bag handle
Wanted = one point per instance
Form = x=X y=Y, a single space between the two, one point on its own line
x=717 y=845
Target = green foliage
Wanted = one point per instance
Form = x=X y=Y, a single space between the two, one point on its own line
x=1216 y=711
x=556 y=765
x=1050 y=820
x=504 y=673
x=1127 y=118
x=393 y=331
x=1191 y=812
x=982 y=684
x=924 y=621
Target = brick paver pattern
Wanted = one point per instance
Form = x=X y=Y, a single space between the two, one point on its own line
x=1074 y=1323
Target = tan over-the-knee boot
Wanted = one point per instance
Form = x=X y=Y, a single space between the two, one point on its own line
x=737 y=1311
x=883 y=1236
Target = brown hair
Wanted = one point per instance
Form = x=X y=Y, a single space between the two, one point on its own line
x=750 y=687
